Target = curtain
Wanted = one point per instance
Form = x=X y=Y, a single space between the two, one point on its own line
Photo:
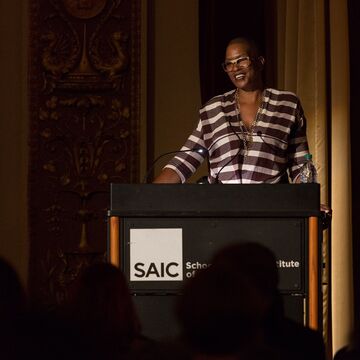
x=304 y=69
x=342 y=290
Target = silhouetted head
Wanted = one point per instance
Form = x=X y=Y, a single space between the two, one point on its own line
x=101 y=296
x=253 y=260
x=258 y=264
x=12 y=294
x=219 y=311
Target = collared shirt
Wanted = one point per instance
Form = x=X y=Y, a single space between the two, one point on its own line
x=276 y=145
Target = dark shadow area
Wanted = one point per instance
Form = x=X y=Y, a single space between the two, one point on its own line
x=221 y=21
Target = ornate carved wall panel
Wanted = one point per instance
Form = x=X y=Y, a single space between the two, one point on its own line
x=84 y=130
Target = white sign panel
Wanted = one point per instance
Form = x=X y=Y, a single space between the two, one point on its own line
x=156 y=255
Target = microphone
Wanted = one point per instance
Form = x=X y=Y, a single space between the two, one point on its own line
x=199 y=150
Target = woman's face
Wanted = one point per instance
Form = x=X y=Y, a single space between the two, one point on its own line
x=243 y=67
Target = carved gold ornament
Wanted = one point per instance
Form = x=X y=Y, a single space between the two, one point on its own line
x=84 y=9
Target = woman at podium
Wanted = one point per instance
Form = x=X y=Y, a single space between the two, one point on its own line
x=251 y=134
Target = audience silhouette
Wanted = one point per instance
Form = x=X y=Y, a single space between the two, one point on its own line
x=103 y=312
x=352 y=351
x=234 y=308
x=12 y=309
x=230 y=311
x=12 y=294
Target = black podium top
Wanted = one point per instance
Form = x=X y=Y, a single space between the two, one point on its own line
x=199 y=200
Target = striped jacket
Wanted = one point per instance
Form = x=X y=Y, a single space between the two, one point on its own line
x=275 y=148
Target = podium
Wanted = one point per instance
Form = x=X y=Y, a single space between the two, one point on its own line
x=160 y=234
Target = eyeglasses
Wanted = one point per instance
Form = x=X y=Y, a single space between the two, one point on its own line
x=243 y=61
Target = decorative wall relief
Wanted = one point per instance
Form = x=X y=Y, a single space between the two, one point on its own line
x=84 y=131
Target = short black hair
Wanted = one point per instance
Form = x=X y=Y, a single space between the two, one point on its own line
x=252 y=44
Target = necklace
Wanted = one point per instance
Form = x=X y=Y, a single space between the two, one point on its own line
x=247 y=132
